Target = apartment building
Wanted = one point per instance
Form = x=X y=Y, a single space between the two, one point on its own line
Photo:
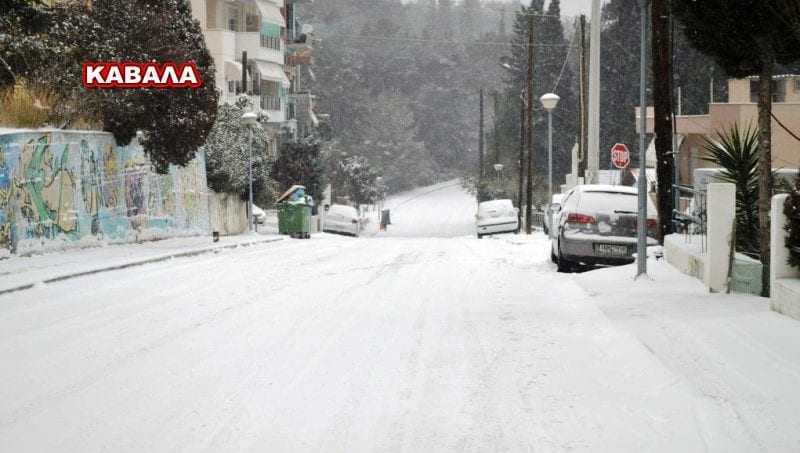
x=257 y=27
x=741 y=108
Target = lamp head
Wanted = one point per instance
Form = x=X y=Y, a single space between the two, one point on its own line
x=249 y=119
x=549 y=101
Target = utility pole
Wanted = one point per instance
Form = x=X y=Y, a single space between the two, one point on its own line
x=529 y=117
x=583 y=111
x=480 y=150
x=593 y=153
x=244 y=72
x=496 y=135
x=662 y=105
x=641 y=224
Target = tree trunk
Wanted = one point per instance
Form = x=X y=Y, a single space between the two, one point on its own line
x=764 y=169
x=662 y=103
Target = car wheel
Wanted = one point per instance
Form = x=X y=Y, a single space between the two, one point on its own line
x=563 y=264
x=480 y=236
x=553 y=256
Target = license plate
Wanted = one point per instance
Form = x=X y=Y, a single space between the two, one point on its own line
x=611 y=250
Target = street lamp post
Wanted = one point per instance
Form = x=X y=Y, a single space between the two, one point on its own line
x=641 y=243
x=549 y=102
x=250 y=120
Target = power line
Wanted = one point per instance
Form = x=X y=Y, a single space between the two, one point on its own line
x=429 y=40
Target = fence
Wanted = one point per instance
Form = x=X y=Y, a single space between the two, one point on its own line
x=693 y=223
x=537 y=219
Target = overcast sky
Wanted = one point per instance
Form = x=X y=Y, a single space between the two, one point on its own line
x=568 y=7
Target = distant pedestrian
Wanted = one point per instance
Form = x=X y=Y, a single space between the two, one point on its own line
x=385 y=220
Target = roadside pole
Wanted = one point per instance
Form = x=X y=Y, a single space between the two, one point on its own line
x=641 y=244
x=480 y=150
x=529 y=118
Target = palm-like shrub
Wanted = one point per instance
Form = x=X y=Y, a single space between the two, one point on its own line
x=736 y=152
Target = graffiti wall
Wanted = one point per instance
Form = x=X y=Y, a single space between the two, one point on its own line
x=72 y=188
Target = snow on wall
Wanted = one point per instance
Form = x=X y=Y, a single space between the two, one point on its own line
x=62 y=189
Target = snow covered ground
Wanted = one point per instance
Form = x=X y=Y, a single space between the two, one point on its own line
x=402 y=342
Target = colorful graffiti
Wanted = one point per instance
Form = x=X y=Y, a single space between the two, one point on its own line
x=59 y=188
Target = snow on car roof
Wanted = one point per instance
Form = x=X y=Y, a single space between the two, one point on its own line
x=495 y=204
x=607 y=188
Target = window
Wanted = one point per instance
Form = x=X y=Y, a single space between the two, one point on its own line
x=252 y=19
x=778 y=91
x=233 y=18
x=271 y=36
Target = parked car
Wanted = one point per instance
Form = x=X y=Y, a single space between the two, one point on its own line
x=596 y=224
x=259 y=215
x=341 y=219
x=496 y=216
x=552 y=209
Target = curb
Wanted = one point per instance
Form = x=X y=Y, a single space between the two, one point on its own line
x=155 y=259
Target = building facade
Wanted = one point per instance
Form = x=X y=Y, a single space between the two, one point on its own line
x=279 y=51
x=742 y=109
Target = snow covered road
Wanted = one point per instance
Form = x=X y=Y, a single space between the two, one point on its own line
x=339 y=344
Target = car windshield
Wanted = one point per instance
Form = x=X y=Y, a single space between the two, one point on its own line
x=609 y=201
x=496 y=205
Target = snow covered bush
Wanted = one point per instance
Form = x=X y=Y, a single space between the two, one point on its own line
x=227 y=155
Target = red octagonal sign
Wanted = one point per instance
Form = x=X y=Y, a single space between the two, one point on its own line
x=620 y=156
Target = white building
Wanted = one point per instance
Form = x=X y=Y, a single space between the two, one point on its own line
x=257 y=27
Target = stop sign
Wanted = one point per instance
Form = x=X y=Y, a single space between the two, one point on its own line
x=620 y=156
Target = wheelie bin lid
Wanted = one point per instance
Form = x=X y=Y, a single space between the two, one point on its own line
x=287 y=196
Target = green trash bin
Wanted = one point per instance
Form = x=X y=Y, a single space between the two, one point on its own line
x=294 y=219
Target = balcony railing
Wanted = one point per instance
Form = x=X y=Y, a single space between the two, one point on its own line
x=270 y=102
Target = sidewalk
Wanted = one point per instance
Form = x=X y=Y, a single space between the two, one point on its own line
x=21 y=272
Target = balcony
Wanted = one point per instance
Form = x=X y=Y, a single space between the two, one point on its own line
x=251 y=42
x=270 y=103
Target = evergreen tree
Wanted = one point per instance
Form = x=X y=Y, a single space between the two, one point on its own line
x=227 y=155
x=300 y=163
x=23 y=47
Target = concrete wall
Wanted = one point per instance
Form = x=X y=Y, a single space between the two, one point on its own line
x=228 y=214
x=784 y=279
x=63 y=189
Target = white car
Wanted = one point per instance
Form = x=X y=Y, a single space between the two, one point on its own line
x=341 y=219
x=496 y=216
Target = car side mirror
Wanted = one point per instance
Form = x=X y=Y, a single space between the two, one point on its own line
x=516 y=210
